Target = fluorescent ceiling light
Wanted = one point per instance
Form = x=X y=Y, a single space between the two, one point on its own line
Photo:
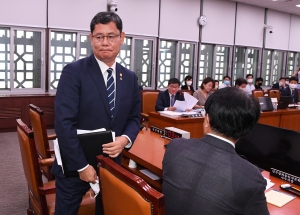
x=298 y=5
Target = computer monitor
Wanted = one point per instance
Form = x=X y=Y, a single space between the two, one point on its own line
x=284 y=102
x=265 y=103
x=271 y=147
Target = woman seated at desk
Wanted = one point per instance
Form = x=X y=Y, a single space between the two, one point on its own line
x=204 y=92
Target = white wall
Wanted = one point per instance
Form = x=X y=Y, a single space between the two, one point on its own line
x=249 y=26
x=139 y=17
x=29 y=13
x=294 y=44
x=221 y=22
x=179 y=19
x=280 y=38
x=74 y=14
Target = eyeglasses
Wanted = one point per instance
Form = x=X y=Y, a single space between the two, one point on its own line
x=173 y=87
x=110 y=38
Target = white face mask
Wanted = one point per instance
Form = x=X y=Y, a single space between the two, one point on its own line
x=287 y=82
x=189 y=83
x=280 y=83
x=293 y=86
x=250 y=80
x=244 y=89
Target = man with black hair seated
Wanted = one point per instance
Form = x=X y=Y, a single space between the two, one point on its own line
x=206 y=175
x=241 y=83
x=291 y=90
x=166 y=99
x=280 y=85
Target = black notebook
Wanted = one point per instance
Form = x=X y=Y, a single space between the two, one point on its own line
x=92 y=146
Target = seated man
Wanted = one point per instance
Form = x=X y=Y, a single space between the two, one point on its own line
x=226 y=82
x=280 y=85
x=241 y=84
x=249 y=86
x=206 y=175
x=258 y=83
x=166 y=99
x=291 y=90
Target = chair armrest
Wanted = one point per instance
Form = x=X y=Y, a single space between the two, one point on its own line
x=46 y=161
x=144 y=115
x=52 y=137
x=51 y=151
x=48 y=188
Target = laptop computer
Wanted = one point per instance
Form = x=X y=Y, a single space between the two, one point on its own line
x=284 y=102
x=265 y=104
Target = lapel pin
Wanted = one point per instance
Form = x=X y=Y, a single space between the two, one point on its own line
x=121 y=76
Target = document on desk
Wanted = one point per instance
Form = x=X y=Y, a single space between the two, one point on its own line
x=278 y=198
x=269 y=183
x=188 y=103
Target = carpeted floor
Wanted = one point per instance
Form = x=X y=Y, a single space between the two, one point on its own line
x=13 y=186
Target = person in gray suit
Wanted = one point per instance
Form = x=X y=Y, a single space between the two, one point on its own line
x=206 y=175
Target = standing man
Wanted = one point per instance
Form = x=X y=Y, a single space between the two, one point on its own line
x=166 y=99
x=94 y=92
x=226 y=82
x=206 y=175
x=249 y=86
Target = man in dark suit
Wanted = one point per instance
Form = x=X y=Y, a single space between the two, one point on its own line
x=94 y=92
x=167 y=98
x=207 y=176
x=291 y=90
x=280 y=85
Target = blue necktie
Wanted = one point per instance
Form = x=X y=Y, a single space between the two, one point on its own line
x=172 y=100
x=110 y=87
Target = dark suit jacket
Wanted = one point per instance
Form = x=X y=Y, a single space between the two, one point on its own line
x=163 y=100
x=185 y=87
x=81 y=102
x=287 y=92
x=257 y=87
x=276 y=86
x=206 y=176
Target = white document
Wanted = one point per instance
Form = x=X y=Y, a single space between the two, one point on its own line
x=79 y=131
x=269 y=183
x=170 y=113
x=188 y=103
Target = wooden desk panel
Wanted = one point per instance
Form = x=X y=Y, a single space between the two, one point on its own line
x=148 y=151
x=192 y=125
x=290 y=120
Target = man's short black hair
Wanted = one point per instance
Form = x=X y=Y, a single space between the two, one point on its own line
x=216 y=81
x=232 y=112
x=293 y=79
x=226 y=76
x=173 y=81
x=104 y=18
x=249 y=75
x=259 y=79
x=287 y=78
x=281 y=78
x=240 y=81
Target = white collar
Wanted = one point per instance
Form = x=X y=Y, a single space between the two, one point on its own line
x=222 y=138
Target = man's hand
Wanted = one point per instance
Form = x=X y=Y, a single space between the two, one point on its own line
x=171 y=108
x=113 y=149
x=88 y=174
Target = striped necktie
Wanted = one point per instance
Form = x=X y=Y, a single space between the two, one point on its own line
x=110 y=87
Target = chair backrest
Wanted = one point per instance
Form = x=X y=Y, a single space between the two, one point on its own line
x=124 y=191
x=40 y=137
x=274 y=93
x=187 y=91
x=298 y=95
x=148 y=98
x=31 y=168
x=257 y=93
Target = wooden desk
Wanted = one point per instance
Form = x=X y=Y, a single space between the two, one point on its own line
x=287 y=118
x=193 y=125
x=148 y=151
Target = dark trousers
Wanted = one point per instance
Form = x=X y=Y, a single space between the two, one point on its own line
x=69 y=193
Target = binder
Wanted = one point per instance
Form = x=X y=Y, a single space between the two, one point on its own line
x=91 y=144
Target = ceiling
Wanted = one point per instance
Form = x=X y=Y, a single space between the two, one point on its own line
x=287 y=6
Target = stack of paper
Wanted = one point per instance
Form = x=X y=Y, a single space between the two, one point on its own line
x=278 y=198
